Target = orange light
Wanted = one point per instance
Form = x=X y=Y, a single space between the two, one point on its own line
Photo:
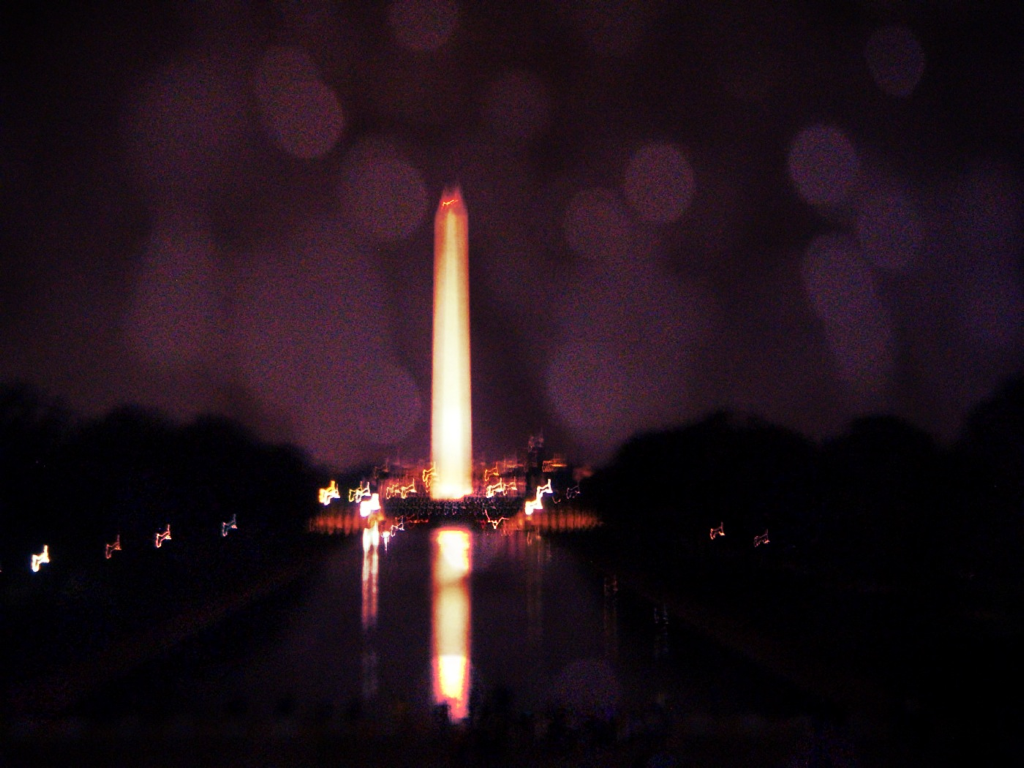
x=111 y=548
x=363 y=491
x=719 y=531
x=162 y=536
x=451 y=639
x=230 y=525
x=328 y=493
x=762 y=539
x=451 y=417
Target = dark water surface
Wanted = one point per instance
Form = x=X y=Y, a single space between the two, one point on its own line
x=387 y=637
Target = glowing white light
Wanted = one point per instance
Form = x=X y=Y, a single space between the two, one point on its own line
x=762 y=539
x=451 y=442
x=230 y=525
x=451 y=639
x=368 y=507
x=719 y=531
x=363 y=491
x=110 y=549
x=161 y=536
x=42 y=557
x=329 y=493
x=532 y=505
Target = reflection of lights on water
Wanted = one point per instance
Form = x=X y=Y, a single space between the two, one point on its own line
x=719 y=531
x=162 y=536
x=762 y=539
x=42 y=557
x=110 y=549
x=329 y=493
x=535 y=504
x=363 y=491
x=451 y=641
x=369 y=506
x=494 y=523
x=230 y=525
x=371 y=538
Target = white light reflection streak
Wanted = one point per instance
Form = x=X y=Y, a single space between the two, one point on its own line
x=451 y=640
x=371 y=539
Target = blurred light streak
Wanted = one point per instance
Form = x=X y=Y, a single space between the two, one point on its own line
x=428 y=476
x=498 y=487
x=42 y=557
x=762 y=539
x=400 y=490
x=494 y=523
x=161 y=536
x=230 y=525
x=329 y=493
x=110 y=549
x=355 y=494
x=451 y=635
x=719 y=531
x=535 y=504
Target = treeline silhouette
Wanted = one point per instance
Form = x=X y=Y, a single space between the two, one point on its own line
x=883 y=505
x=76 y=484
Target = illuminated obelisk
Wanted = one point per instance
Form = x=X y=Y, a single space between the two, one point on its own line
x=451 y=446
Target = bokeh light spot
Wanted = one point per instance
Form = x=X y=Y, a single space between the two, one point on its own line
x=889 y=228
x=597 y=226
x=423 y=25
x=895 y=59
x=172 y=317
x=384 y=196
x=842 y=292
x=659 y=183
x=387 y=403
x=300 y=112
x=517 y=106
x=610 y=27
x=823 y=165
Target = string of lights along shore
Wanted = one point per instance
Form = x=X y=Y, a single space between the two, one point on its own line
x=451 y=445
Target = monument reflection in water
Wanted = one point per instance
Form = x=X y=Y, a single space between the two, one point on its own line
x=450 y=652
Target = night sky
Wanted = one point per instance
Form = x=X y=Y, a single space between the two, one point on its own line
x=801 y=210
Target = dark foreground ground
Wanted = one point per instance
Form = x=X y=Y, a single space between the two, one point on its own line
x=897 y=683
